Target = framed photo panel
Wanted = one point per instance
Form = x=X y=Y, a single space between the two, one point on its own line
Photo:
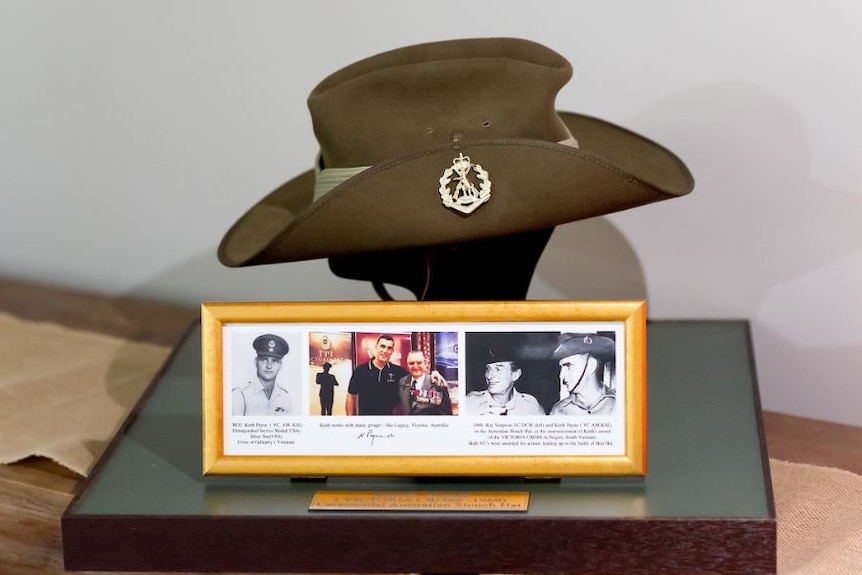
x=528 y=389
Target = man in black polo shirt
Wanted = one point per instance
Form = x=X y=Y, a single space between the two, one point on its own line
x=373 y=388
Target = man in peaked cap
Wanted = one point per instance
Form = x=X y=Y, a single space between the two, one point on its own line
x=264 y=396
x=500 y=397
x=583 y=359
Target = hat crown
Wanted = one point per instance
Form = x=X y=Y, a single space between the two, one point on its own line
x=389 y=127
x=595 y=345
x=423 y=96
x=270 y=345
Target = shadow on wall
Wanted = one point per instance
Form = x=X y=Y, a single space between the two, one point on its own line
x=204 y=278
x=588 y=260
x=770 y=234
x=758 y=219
x=814 y=382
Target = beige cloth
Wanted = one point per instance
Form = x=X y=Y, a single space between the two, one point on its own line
x=64 y=392
x=819 y=512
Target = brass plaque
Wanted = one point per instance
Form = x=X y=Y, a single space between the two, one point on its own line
x=420 y=501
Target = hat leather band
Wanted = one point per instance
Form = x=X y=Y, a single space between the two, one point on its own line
x=325 y=179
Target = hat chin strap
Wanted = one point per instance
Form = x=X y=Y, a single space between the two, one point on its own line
x=383 y=293
x=465 y=271
x=583 y=373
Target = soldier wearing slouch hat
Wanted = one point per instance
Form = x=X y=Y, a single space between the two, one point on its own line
x=583 y=359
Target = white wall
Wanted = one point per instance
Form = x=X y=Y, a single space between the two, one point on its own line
x=132 y=134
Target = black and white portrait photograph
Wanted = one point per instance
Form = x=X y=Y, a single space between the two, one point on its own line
x=538 y=373
x=587 y=374
x=265 y=377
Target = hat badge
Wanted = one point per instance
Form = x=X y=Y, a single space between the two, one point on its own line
x=588 y=340
x=466 y=197
x=271 y=344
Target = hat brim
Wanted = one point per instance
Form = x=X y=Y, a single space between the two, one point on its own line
x=396 y=204
x=601 y=347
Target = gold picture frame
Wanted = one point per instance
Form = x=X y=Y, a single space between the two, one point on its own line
x=246 y=433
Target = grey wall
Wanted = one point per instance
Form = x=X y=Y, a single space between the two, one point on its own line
x=132 y=134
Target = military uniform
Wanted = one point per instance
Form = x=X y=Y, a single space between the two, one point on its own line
x=603 y=349
x=496 y=354
x=479 y=403
x=573 y=405
x=250 y=399
x=424 y=397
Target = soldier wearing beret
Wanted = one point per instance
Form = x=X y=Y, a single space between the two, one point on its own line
x=264 y=395
x=582 y=358
x=500 y=397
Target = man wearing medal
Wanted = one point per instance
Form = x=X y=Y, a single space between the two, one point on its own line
x=373 y=387
x=583 y=360
x=419 y=392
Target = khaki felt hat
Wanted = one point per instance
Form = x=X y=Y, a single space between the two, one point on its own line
x=598 y=346
x=449 y=142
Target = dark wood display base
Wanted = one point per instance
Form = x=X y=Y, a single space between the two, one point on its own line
x=705 y=506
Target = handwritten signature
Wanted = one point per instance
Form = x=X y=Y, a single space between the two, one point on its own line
x=370 y=434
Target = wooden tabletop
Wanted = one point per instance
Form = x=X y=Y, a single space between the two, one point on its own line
x=35 y=492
